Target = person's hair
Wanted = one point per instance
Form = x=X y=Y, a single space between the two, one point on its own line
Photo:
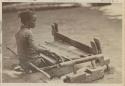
x=26 y=16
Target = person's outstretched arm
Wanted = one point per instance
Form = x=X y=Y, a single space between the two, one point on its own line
x=30 y=40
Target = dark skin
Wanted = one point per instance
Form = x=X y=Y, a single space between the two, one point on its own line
x=30 y=24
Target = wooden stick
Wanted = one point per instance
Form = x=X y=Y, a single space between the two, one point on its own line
x=11 y=51
x=77 y=61
x=52 y=61
x=38 y=69
x=82 y=60
x=98 y=45
x=94 y=48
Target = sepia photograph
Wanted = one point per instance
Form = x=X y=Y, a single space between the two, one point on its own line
x=59 y=42
x=0 y=42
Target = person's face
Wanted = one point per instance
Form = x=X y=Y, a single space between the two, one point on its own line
x=32 y=22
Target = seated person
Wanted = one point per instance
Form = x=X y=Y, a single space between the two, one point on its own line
x=26 y=49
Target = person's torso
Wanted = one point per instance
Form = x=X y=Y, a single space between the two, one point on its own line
x=24 y=49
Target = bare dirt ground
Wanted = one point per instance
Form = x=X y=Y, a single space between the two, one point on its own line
x=81 y=24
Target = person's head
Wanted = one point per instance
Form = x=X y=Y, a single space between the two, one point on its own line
x=28 y=18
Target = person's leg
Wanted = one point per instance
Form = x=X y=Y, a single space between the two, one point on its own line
x=24 y=65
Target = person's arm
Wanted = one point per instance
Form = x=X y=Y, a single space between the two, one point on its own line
x=31 y=42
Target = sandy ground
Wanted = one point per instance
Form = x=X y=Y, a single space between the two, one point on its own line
x=81 y=24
